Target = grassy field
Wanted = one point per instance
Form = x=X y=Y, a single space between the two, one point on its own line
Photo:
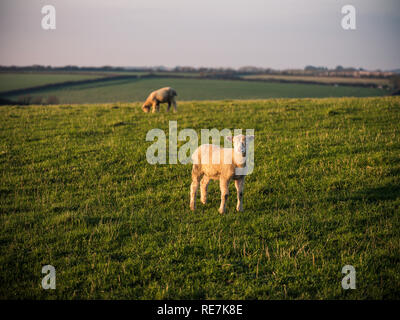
x=77 y=192
x=328 y=80
x=128 y=90
x=13 y=81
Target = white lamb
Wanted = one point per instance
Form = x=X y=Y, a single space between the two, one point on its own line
x=215 y=163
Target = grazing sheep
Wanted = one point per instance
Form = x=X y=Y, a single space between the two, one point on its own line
x=215 y=163
x=162 y=95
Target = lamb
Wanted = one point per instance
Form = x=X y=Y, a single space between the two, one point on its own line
x=162 y=95
x=215 y=163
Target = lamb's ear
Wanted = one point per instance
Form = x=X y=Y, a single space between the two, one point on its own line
x=249 y=138
x=229 y=138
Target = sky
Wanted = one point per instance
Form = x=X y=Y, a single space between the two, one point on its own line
x=276 y=34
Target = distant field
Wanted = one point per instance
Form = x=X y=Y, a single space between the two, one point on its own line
x=198 y=89
x=13 y=81
x=330 y=80
x=77 y=192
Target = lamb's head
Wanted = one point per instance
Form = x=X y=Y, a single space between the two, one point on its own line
x=240 y=142
x=146 y=107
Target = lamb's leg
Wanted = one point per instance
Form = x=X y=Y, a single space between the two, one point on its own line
x=193 y=188
x=203 y=189
x=156 y=107
x=223 y=184
x=169 y=105
x=239 y=184
x=174 y=104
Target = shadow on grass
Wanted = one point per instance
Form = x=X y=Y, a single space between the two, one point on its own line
x=387 y=192
x=87 y=83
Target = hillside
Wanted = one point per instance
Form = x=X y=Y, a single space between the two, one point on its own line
x=77 y=192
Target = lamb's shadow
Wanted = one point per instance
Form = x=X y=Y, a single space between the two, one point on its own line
x=387 y=192
x=382 y=193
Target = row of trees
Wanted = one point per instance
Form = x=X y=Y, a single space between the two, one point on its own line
x=41 y=68
x=27 y=99
x=188 y=69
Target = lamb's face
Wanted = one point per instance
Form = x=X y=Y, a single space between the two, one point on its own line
x=145 y=107
x=240 y=142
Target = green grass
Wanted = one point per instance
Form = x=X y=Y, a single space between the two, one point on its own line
x=329 y=80
x=13 y=81
x=76 y=192
x=129 y=90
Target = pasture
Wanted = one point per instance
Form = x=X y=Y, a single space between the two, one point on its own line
x=137 y=89
x=328 y=80
x=13 y=81
x=77 y=192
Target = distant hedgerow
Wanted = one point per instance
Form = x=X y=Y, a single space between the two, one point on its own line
x=53 y=100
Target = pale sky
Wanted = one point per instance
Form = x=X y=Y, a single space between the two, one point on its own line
x=211 y=33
